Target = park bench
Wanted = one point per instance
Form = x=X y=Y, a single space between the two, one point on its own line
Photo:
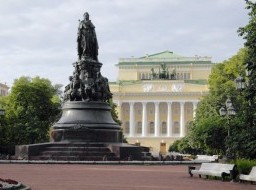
x=250 y=177
x=214 y=169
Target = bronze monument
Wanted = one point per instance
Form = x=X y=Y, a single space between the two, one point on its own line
x=86 y=129
x=86 y=113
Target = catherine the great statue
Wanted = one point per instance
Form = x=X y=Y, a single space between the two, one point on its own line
x=87 y=44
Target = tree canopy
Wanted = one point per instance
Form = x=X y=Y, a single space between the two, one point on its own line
x=249 y=34
x=208 y=132
x=31 y=108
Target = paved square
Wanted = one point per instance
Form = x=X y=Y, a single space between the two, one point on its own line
x=112 y=177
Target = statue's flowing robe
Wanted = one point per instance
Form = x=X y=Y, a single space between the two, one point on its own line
x=87 y=40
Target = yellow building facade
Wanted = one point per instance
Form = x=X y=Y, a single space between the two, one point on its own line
x=157 y=96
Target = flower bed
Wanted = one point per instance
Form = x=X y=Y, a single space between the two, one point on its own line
x=9 y=184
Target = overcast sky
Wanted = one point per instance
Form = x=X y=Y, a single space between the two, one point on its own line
x=38 y=37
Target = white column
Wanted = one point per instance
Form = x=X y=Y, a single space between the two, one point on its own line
x=144 y=119
x=156 y=119
x=194 y=109
x=182 y=126
x=119 y=109
x=132 y=127
x=169 y=119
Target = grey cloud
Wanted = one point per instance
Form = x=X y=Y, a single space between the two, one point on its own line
x=39 y=37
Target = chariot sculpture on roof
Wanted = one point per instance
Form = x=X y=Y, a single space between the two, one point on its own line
x=163 y=73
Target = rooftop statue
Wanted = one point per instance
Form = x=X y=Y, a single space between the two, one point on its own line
x=87 y=44
x=163 y=73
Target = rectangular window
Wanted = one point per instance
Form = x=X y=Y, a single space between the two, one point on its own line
x=151 y=127
x=139 y=127
x=164 y=128
x=127 y=127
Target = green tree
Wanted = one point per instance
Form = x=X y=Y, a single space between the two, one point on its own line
x=114 y=112
x=31 y=108
x=115 y=116
x=208 y=128
x=245 y=140
x=175 y=146
x=221 y=79
x=249 y=34
x=209 y=135
x=208 y=132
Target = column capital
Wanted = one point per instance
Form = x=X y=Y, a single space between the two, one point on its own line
x=182 y=102
x=156 y=103
x=131 y=103
x=144 y=103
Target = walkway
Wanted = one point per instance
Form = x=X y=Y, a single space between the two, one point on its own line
x=111 y=177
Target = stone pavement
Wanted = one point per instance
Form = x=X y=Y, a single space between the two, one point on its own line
x=112 y=177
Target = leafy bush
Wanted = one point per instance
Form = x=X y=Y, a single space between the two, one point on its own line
x=244 y=166
x=174 y=146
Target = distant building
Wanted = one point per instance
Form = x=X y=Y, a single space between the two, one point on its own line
x=157 y=96
x=3 y=89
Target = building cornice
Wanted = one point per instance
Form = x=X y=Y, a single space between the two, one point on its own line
x=158 y=62
x=160 y=94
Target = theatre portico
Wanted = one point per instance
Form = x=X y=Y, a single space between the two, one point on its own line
x=158 y=96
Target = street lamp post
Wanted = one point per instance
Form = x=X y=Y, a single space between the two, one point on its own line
x=228 y=111
x=240 y=83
